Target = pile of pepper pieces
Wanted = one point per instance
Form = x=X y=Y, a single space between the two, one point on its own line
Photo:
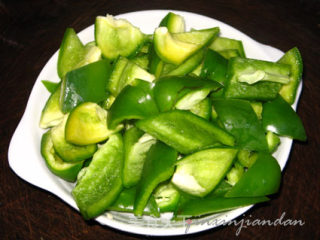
x=141 y=134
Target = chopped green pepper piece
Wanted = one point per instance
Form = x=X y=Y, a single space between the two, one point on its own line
x=273 y=141
x=125 y=202
x=85 y=84
x=262 y=179
x=247 y=158
x=185 y=131
x=158 y=167
x=64 y=170
x=294 y=59
x=226 y=44
x=101 y=183
x=136 y=145
x=166 y=197
x=279 y=117
x=199 y=173
x=168 y=90
x=243 y=73
x=235 y=173
x=50 y=86
x=133 y=102
x=240 y=120
x=214 y=67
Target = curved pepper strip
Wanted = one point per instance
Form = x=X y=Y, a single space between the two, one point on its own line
x=158 y=167
x=101 y=183
x=185 y=131
x=262 y=179
x=125 y=202
x=168 y=90
x=279 y=117
x=133 y=102
x=240 y=120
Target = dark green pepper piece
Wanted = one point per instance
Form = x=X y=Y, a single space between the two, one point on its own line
x=168 y=90
x=125 y=202
x=85 y=84
x=262 y=179
x=240 y=120
x=214 y=67
x=255 y=79
x=133 y=102
x=158 y=167
x=279 y=117
x=50 y=86
x=185 y=131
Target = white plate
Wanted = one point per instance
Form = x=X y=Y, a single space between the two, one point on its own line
x=24 y=151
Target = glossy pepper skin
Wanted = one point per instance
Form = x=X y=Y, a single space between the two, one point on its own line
x=168 y=90
x=158 y=167
x=262 y=90
x=125 y=202
x=184 y=131
x=85 y=84
x=214 y=67
x=262 y=179
x=133 y=102
x=279 y=117
x=240 y=120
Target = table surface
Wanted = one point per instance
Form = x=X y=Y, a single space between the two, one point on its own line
x=31 y=32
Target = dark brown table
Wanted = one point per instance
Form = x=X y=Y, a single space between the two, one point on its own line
x=31 y=32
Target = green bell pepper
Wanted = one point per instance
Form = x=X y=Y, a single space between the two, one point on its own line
x=101 y=183
x=262 y=179
x=168 y=90
x=279 y=117
x=294 y=59
x=240 y=120
x=158 y=167
x=214 y=67
x=133 y=102
x=255 y=79
x=167 y=197
x=85 y=84
x=185 y=131
x=125 y=202
x=221 y=45
x=50 y=86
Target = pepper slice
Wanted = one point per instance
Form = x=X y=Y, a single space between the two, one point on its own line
x=214 y=67
x=158 y=167
x=255 y=79
x=279 y=117
x=185 y=131
x=85 y=84
x=262 y=179
x=240 y=120
x=101 y=182
x=133 y=102
x=168 y=90
x=125 y=202
x=136 y=145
